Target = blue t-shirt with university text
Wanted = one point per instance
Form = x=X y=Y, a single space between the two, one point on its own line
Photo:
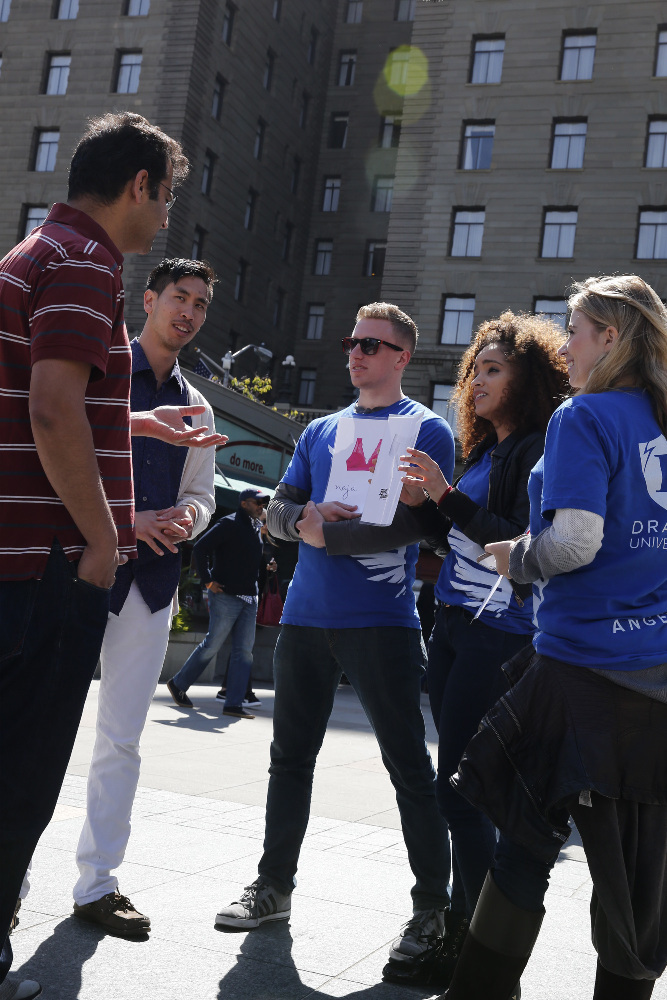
x=356 y=591
x=605 y=453
x=466 y=583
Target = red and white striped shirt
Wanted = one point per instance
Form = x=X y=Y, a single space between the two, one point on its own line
x=61 y=296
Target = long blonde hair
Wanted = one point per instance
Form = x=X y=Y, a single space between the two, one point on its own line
x=639 y=355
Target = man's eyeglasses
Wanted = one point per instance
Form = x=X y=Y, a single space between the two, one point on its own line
x=368 y=345
x=171 y=199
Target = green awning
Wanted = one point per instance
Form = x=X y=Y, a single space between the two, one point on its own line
x=227 y=489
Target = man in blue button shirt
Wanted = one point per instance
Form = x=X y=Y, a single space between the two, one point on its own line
x=174 y=498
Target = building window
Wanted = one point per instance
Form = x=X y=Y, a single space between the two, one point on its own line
x=218 y=95
x=347 y=63
x=277 y=9
x=197 y=251
x=656 y=145
x=323 y=255
x=405 y=10
x=468 y=231
x=442 y=403
x=250 y=206
x=138 y=8
x=376 y=251
x=306 y=394
x=34 y=216
x=457 y=317
x=338 y=130
x=390 y=131
x=260 y=133
x=296 y=175
x=5 y=6
x=578 y=57
x=554 y=309
x=560 y=227
x=129 y=71
x=398 y=65
x=354 y=11
x=241 y=278
x=58 y=74
x=303 y=112
x=315 y=322
x=312 y=46
x=652 y=239
x=477 y=147
x=268 y=70
x=228 y=23
x=487 y=60
x=279 y=307
x=383 y=190
x=46 y=150
x=207 y=172
x=331 y=194
x=661 y=55
x=287 y=240
x=569 y=142
x=67 y=10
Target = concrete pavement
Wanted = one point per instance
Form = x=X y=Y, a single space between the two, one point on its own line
x=196 y=838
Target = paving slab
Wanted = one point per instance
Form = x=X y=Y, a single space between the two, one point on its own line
x=197 y=831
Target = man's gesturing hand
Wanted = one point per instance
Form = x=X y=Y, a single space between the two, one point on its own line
x=166 y=424
x=156 y=533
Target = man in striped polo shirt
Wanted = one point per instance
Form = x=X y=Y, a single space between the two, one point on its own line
x=66 y=503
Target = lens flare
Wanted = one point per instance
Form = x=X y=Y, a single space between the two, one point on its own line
x=406 y=70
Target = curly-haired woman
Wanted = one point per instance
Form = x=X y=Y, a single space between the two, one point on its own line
x=511 y=380
x=583 y=730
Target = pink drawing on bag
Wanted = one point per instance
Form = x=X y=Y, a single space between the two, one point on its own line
x=357 y=460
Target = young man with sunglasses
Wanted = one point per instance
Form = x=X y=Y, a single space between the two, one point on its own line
x=350 y=611
x=228 y=559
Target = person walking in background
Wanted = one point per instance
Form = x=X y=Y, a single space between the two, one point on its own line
x=67 y=519
x=356 y=613
x=583 y=729
x=228 y=559
x=174 y=500
x=511 y=380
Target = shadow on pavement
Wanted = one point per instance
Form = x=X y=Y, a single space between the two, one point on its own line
x=58 y=962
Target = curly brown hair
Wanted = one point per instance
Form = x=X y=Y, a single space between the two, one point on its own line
x=539 y=384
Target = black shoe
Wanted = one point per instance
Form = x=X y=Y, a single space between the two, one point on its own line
x=221 y=695
x=434 y=968
x=238 y=712
x=180 y=697
x=251 y=700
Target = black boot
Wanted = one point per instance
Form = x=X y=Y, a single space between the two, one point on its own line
x=496 y=949
x=608 y=986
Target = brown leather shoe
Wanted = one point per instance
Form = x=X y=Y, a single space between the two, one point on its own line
x=116 y=914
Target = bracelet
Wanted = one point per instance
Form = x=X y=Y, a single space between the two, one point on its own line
x=448 y=490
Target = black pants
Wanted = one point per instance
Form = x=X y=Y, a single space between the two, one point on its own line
x=51 y=633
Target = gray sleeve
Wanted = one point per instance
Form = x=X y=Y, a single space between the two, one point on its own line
x=352 y=538
x=572 y=541
x=284 y=511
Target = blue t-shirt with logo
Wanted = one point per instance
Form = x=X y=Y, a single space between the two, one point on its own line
x=605 y=453
x=466 y=583
x=356 y=591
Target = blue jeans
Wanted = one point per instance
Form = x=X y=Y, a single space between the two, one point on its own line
x=51 y=633
x=227 y=613
x=464 y=681
x=385 y=667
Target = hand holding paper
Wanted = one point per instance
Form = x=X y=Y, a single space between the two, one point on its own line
x=501 y=550
x=427 y=475
x=309 y=526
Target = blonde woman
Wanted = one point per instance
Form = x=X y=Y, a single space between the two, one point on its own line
x=583 y=730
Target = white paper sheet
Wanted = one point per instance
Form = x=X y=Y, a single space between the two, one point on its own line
x=364 y=464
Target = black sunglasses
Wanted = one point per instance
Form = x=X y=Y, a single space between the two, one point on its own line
x=368 y=345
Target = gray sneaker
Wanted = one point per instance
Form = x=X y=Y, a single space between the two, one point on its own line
x=418 y=935
x=259 y=902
